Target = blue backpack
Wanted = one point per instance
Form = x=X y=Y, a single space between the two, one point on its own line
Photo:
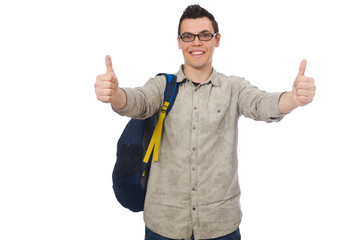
x=139 y=143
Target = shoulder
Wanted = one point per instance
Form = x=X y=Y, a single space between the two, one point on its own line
x=236 y=82
x=158 y=82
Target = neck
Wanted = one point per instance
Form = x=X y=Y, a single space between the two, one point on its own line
x=197 y=75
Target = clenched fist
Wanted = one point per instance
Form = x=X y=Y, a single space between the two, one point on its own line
x=106 y=87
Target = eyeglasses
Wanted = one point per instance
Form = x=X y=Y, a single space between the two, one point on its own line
x=189 y=37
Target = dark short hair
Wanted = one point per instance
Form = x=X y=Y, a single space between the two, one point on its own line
x=195 y=11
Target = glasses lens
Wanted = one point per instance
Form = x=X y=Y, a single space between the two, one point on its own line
x=205 y=36
x=187 y=37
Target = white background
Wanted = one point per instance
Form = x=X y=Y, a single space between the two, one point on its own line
x=300 y=178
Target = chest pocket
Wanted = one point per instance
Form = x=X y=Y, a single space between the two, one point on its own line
x=217 y=117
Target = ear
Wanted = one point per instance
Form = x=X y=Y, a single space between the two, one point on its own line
x=217 y=37
x=178 y=42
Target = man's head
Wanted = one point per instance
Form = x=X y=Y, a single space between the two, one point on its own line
x=195 y=11
x=198 y=36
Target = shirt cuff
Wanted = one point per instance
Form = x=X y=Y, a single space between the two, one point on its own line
x=275 y=115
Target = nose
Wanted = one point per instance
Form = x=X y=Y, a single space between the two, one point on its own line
x=197 y=41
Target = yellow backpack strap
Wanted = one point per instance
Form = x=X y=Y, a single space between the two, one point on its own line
x=156 y=137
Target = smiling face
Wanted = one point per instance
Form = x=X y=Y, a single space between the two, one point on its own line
x=198 y=54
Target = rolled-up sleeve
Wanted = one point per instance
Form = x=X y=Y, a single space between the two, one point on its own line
x=143 y=102
x=257 y=104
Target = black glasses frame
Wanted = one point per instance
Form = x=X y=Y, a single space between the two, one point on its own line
x=198 y=36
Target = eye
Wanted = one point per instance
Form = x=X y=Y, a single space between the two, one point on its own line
x=205 y=35
x=186 y=36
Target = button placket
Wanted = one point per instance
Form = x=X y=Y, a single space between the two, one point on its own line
x=193 y=146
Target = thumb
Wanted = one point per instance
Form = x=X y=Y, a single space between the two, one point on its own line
x=109 y=64
x=302 y=67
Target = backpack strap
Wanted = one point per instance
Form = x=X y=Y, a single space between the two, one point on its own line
x=170 y=90
x=170 y=93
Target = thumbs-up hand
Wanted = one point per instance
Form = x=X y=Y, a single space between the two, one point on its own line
x=303 y=88
x=106 y=86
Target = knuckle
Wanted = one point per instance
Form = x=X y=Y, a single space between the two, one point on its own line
x=104 y=99
x=106 y=78
x=99 y=98
x=103 y=77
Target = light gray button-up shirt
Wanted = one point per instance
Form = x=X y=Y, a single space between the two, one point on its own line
x=194 y=187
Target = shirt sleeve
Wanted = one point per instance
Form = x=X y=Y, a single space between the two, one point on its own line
x=144 y=102
x=257 y=104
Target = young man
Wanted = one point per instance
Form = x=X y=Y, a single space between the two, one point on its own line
x=193 y=190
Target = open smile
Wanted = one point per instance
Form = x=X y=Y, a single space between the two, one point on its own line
x=197 y=53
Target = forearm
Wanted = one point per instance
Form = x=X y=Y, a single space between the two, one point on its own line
x=141 y=102
x=286 y=103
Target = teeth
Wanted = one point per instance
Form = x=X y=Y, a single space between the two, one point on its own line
x=197 y=53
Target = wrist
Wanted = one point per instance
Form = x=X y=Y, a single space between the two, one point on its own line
x=287 y=103
x=120 y=99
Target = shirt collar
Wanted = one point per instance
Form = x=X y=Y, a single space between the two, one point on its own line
x=214 y=79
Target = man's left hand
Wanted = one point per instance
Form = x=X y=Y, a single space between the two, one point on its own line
x=303 y=88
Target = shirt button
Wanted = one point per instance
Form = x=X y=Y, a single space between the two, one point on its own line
x=193 y=149
x=193 y=189
x=193 y=127
x=193 y=208
x=193 y=168
x=195 y=108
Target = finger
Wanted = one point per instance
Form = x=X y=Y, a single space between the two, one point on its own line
x=302 y=67
x=308 y=84
x=304 y=100
x=105 y=92
x=104 y=77
x=109 y=64
x=110 y=77
x=105 y=85
x=302 y=92
x=105 y=99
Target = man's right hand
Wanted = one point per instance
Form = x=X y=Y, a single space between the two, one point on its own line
x=106 y=87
